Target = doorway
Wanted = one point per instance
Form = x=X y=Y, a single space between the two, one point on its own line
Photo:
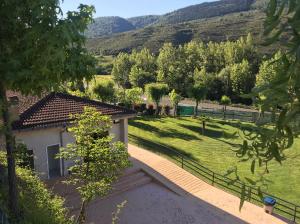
x=54 y=167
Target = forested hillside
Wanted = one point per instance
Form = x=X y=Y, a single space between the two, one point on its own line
x=143 y=21
x=249 y=17
x=231 y=26
x=103 y=26
x=108 y=25
x=206 y=10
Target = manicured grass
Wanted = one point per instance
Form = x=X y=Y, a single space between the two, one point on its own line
x=215 y=149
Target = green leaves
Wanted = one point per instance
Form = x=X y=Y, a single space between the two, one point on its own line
x=98 y=161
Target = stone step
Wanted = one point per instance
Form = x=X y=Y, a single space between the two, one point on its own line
x=128 y=182
x=130 y=186
x=129 y=178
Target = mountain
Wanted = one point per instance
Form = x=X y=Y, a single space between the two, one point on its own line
x=231 y=26
x=104 y=26
x=205 y=10
x=216 y=26
x=108 y=25
x=143 y=21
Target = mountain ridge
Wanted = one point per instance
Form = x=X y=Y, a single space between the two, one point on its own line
x=107 y=26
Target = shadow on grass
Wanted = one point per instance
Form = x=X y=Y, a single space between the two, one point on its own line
x=161 y=148
x=167 y=133
x=208 y=132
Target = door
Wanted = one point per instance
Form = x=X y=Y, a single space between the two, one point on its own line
x=53 y=162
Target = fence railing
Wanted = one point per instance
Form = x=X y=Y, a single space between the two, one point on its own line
x=283 y=208
x=236 y=115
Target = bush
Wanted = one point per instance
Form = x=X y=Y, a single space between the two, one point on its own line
x=37 y=204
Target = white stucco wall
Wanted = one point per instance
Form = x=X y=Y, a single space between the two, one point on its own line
x=39 y=140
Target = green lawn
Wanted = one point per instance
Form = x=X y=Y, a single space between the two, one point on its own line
x=214 y=149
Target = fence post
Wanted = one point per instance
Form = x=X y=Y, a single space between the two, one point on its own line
x=213 y=180
x=250 y=193
x=295 y=214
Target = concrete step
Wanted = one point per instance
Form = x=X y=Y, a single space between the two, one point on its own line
x=129 y=178
x=130 y=185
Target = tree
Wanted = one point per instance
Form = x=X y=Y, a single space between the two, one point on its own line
x=225 y=101
x=155 y=91
x=270 y=141
x=172 y=68
x=268 y=70
x=131 y=97
x=280 y=93
x=40 y=49
x=241 y=78
x=139 y=78
x=198 y=93
x=121 y=69
x=175 y=99
x=105 y=91
x=97 y=161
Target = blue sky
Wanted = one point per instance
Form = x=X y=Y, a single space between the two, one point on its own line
x=130 y=8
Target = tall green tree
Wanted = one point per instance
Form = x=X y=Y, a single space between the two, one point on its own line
x=144 y=68
x=242 y=79
x=139 y=77
x=40 y=49
x=198 y=92
x=105 y=91
x=131 y=96
x=175 y=98
x=97 y=160
x=172 y=68
x=155 y=91
x=268 y=70
x=121 y=70
x=225 y=101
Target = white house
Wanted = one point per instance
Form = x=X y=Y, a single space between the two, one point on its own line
x=40 y=123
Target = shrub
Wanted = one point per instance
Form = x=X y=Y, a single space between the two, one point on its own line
x=37 y=204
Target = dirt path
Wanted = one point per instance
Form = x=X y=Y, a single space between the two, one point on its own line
x=181 y=181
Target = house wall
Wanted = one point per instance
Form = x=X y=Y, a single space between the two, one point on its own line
x=39 y=140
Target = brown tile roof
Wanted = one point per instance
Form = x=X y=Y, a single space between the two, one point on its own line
x=25 y=102
x=55 y=109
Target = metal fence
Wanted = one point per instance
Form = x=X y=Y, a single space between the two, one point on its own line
x=283 y=208
x=236 y=115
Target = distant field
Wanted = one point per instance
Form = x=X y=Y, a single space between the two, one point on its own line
x=214 y=149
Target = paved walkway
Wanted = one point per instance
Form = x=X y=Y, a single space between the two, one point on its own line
x=186 y=184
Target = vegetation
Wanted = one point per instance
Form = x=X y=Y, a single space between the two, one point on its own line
x=198 y=93
x=216 y=149
x=98 y=161
x=143 y=21
x=224 y=68
x=36 y=50
x=280 y=93
x=225 y=101
x=44 y=207
x=105 y=91
x=155 y=91
x=130 y=97
x=228 y=27
x=103 y=26
x=175 y=99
